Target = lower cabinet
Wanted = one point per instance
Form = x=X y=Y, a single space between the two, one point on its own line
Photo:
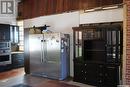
x=112 y=75
x=5 y=67
x=78 y=73
x=17 y=60
x=100 y=75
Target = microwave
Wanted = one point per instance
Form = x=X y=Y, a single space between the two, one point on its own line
x=4 y=45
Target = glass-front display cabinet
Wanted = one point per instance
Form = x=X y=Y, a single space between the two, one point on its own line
x=97 y=44
x=97 y=54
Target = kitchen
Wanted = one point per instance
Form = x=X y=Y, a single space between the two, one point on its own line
x=35 y=17
x=9 y=47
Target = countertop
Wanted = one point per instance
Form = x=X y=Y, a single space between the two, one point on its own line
x=15 y=52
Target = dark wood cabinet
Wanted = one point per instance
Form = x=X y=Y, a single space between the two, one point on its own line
x=78 y=72
x=111 y=75
x=9 y=33
x=5 y=67
x=97 y=54
x=4 y=32
x=97 y=74
x=17 y=60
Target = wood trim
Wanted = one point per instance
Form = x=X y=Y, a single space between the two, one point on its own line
x=26 y=51
x=124 y=43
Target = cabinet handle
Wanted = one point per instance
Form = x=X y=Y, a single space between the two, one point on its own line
x=105 y=74
x=41 y=51
x=111 y=67
x=100 y=74
x=100 y=81
x=100 y=66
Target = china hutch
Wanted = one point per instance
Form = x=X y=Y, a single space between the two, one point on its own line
x=97 y=54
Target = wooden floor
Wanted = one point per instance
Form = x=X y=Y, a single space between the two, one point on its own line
x=11 y=73
x=16 y=78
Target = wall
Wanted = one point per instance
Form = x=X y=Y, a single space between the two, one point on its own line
x=65 y=22
x=112 y=15
x=59 y=23
x=7 y=20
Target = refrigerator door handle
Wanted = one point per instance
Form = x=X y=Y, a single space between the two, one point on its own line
x=42 y=51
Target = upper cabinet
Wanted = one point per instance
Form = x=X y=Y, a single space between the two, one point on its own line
x=4 y=32
x=78 y=43
x=9 y=33
x=98 y=43
x=14 y=34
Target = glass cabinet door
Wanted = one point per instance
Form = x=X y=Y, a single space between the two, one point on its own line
x=14 y=34
x=78 y=44
x=113 y=46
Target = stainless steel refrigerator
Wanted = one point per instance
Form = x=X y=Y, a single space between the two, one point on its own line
x=49 y=55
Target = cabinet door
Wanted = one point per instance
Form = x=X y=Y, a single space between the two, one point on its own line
x=78 y=72
x=14 y=34
x=92 y=71
x=78 y=45
x=114 y=44
x=18 y=60
x=4 y=32
x=111 y=76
